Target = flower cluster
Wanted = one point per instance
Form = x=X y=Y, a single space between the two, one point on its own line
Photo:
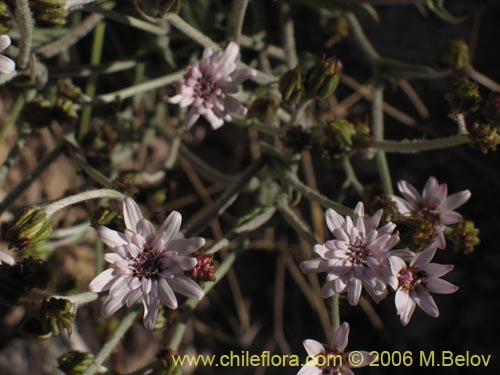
x=147 y=264
x=362 y=254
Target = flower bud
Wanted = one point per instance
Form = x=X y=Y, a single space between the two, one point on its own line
x=291 y=86
x=457 y=55
x=323 y=78
x=55 y=315
x=464 y=98
x=74 y=362
x=205 y=269
x=483 y=137
x=339 y=138
x=263 y=109
x=49 y=12
x=29 y=228
x=465 y=236
x=415 y=233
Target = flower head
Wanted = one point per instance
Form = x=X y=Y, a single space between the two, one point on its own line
x=332 y=359
x=414 y=283
x=207 y=86
x=433 y=205
x=146 y=264
x=357 y=257
x=7 y=66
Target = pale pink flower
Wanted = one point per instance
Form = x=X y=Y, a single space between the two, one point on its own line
x=7 y=65
x=414 y=283
x=207 y=86
x=434 y=205
x=357 y=257
x=146 y=264
x=333 y=359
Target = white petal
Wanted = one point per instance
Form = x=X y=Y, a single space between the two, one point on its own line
x=397 y=264
x=103 y=281
x=4 y=42
x=185 y=246
x=405 y=306
x=171 y=226
x=409 y=192
x=423 y=258
x=145 y=228
x=334 y=220
x=425 y=301
x=186 y=287
x=450 y=217
x=7 y=259
x=456 y=200
x=354 y=291
x=440 y=286
x=151 y=305
x=111 y=237
x=340 y=338
x=309 y=369
x=166 y=294
x=7 y=65
x=131 y=214
x=313 y=347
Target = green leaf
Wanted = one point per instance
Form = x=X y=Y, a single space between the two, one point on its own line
x=437 y=7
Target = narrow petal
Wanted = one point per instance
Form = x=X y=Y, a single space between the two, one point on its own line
x=166 y=294
x=4 y=42
x=430 y=189
x=103 y=281
x=133 y=296
x=404 y=207
x=315 y=265
x=440 y=239
x=333 y=219
x=341 y=337
x=438 y=270
x=7 y=259
x=425 y=301
x=111 y=237
x=436 y=285
x=359 y=209
x=309 y=369
x=367 y=359
x=405 y=306
x=171 y=226
x=7 y=65
x=313 y=347
x=151 y=305
x=354 y=291
x=450 y=217
x=185 y=246
x=145 y=228
x=191 y=118
x=131 y=214
x=456 y=200
x=423 y=258
x=409 y=192
x=186 y=287
x=397 y=264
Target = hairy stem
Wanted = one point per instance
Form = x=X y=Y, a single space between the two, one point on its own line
x=25 y=24
x=421 y=145
x=236 y=19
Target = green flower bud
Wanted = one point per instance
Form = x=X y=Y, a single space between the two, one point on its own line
x=23 y=276
x=74 y=362
x=263 y=109
x=104 y=216
x=28 y=229
x=465 y=236
x=49 y=12
x=464 y=98
x=5 y=18
x=291 y=86
x=323 y=78
x=483 y=137
x=457 y=55
x=415 y=233
x=55 y=315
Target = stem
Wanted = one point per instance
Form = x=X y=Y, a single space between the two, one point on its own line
x=361 y=40
x=225 y=200
x=288 y=32
x=351 y=176
x=419 y=145
x=25 y=24
x=189 y=306
x=108 y=348
x=335 y=313
x=82 y=71
x=296 y=223
x=483 y=80
x=298 y=114
x=32 y=176
x=378 y=135
x=52 y=208
x=236 y=18
x=136 y=89
x=80 y=299
x=127 y=20
x=24 y=132
x=90 y=91
x=315 y=196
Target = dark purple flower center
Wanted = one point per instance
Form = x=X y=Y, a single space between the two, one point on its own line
x=147 y=265
x=358 y=253
x=431 y=214
x=205 y=87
